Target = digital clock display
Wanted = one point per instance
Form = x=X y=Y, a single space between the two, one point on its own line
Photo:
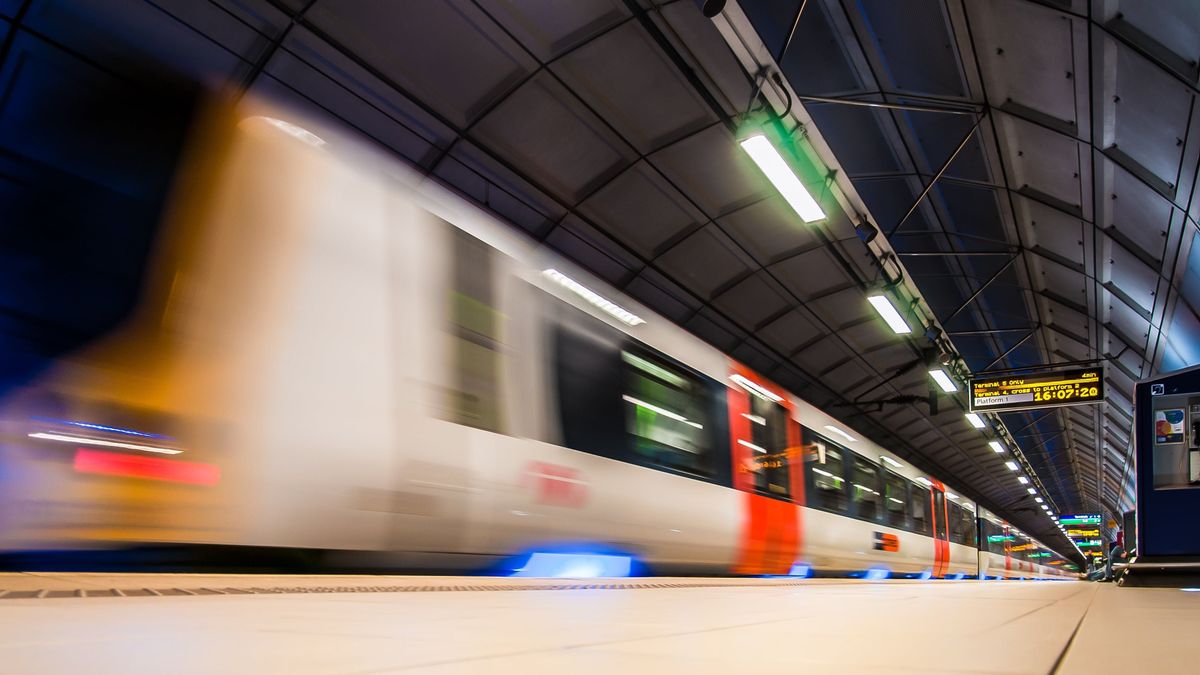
x=1043 y=390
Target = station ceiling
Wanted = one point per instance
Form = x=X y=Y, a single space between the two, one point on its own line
x=1061 y=231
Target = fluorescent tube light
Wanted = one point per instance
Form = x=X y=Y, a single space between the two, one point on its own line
x=782 y=177
x=755 y=388
x=996 y=446
x=841 y=433
x=1022 y=480
x=975 y=420
x=607 y=306
x=943 y=380
x=887 y=310
x=1012 y=466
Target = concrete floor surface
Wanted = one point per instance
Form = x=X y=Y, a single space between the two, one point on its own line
x=658 y=625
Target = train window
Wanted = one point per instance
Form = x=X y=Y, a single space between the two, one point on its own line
x=958 y=525
x=996 y=537
x=939 y=513
x=919 y=499
x=895 y=501
x=864 y=485
x=474 y=324
x=666 y=414
x=587 y=355
x=770 y=462
x=824 y=461
x=967 y=527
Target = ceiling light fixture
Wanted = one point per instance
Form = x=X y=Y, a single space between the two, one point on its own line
x=1022 y=480
x=943 y=380
x=841 y=433
x=609 y=307
x=996 y=446
x=975 y=420
x=1038 y=500
x=1033 y=492
x=1012 y=466
x=887 y=310
x=756 y=388
x=782 y=177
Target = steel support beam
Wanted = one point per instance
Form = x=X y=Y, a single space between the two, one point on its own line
x=945 y=165
x=952 y=254
x=886 y=106
x=981 y=288
x=1013 y=348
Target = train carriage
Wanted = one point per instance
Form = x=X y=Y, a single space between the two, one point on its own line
x=338 y=355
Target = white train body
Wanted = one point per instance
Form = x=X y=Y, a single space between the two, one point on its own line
x=351 y=358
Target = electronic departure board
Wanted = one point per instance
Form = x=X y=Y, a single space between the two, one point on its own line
x=1043 y=390
x=1084 y=530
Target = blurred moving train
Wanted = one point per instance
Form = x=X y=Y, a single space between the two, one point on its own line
x=336 y=355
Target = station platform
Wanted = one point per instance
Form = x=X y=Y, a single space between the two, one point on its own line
x=138 y=623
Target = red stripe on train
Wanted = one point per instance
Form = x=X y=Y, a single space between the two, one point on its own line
x=770 y=538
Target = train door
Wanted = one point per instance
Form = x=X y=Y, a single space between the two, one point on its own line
x=1008 y=561
x=768 y=468
x=941 y=530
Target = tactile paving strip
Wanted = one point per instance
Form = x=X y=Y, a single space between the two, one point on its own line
x=265 y=590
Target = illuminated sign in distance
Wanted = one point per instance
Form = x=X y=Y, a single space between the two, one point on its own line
x=1042 y=390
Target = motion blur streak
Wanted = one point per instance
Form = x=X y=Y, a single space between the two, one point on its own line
x=115 y=464
x=102 y=427
x=84 y=440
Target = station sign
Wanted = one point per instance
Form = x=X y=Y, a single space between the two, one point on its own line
x=1043 y=390
x=1081 y=519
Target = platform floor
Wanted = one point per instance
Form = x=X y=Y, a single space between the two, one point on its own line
x=52 y=623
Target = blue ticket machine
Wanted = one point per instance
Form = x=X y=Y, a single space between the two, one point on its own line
x=1167 y=452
